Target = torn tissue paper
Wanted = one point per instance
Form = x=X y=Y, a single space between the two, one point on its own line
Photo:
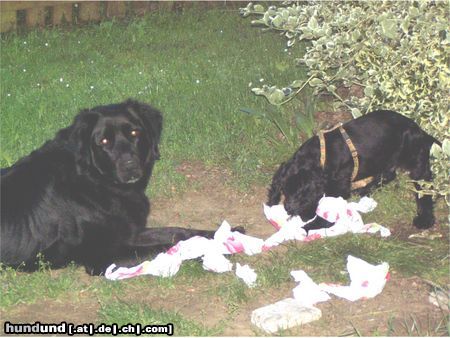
x=307 y=293
x=235 y=242
x=216 y=262
x=367 y=280
x=291 y=230
x=247 y=274
x=212 y=252
x=191 y=248
x=345 y=216
x=164 y=265
x=251 y=245
x=276 y=215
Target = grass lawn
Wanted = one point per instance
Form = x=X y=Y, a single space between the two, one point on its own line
x=196 y=67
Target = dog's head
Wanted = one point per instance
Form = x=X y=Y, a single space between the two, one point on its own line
x=119 y=142
x=302 y=192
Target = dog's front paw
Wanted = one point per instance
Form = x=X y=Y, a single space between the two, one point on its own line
x=239 y=229
x=423 y=221
x=318 y=223
x=94 y=270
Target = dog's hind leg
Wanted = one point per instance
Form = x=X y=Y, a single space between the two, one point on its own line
x=168 y=236
x=421 y=171
x=388 y=176
x=148 y=243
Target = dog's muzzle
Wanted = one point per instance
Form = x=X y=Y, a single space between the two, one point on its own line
x=129 y=171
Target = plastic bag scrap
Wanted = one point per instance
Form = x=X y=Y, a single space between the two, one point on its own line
x=345 y=216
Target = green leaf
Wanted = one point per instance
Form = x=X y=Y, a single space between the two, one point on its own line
x=315 y=82
x=277 y=21
x=369 y=91
x=297 y=84
x=291 y=21
x=310 y=62
x=331 y=88
x=337 y=105
x=276 y=96
x=389 y=28
x=446 y=147
x=356 y=35
x=259 y=8
x=414 y=12
x=258 y=22
x=313 y=24
x=405 y=25
x=258 y=91
x=356 y=112
x=252 y=112
x=435 y=150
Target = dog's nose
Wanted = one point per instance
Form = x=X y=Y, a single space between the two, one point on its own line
x=131 y=165
x=288 y=208
x=129 y=169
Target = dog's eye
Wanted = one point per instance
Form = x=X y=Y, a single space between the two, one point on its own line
x=104 y=141
x=134 y=133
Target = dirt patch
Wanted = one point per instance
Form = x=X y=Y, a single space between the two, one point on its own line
x=77 y=311
x=331 y=119
x=401 y=302
x=210 y=201
x=390 y=313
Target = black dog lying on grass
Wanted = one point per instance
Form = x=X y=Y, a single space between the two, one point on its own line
x=367 y=149
x=81 y=196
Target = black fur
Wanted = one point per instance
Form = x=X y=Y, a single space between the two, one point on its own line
x=385 y=141
x=81 y=196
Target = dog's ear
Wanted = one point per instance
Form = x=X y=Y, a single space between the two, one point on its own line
x=151 y=121
x=274 y=194
x=77 y=138
x=309 y=183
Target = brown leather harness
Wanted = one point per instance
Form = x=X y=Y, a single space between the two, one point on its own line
x=323 y=156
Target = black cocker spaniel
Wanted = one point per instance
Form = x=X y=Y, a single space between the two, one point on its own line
x=81 y=196
x=384 y=141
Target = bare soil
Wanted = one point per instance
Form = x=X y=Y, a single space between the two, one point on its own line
x=401 y=309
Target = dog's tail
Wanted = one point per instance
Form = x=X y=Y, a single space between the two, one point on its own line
x=430 y=140
x=4 y=171
x=433 y=140
x=274 y=194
